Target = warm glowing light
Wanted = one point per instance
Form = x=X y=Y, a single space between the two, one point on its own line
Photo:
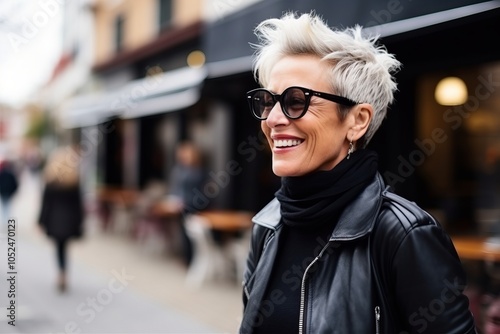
x=154 y=70
x=451 y=91
x=196 y=59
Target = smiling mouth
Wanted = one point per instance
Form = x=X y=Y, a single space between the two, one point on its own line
x=287 y=142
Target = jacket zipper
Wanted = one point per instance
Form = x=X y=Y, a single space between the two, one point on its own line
x=245 y=289
x=377 y=319
x=303 y=289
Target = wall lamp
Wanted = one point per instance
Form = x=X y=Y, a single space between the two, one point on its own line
x=451 y=91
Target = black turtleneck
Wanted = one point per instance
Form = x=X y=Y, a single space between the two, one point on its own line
x=310 y=207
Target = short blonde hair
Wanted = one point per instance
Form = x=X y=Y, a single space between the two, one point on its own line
x=361 y=70
x=62 y=167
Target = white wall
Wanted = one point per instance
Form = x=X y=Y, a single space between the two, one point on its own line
x=218 y=9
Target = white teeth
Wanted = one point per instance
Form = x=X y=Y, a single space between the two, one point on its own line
x=287 y=142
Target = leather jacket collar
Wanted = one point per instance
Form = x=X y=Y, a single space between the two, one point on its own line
x=356 y=220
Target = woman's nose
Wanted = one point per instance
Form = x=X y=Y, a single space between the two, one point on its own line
x=276 y=117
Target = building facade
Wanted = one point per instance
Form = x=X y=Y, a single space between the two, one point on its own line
x=166 y=71
x=141 y=79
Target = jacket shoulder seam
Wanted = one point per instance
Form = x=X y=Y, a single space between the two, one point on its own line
x=407 y=215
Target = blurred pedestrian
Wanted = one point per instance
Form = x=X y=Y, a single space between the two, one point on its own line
x=62 y=212
x=335 y=251
x=8 y=187
x=186 y=176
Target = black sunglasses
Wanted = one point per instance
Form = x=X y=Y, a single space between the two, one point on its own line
x=294 y=101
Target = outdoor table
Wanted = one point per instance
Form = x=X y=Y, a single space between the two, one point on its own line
x=477 y=248
x=227 y=221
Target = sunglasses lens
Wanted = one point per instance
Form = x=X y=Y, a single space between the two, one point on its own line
x=262 y=102
x=294 y=102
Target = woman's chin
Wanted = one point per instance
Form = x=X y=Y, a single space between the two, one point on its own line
x=282 y=169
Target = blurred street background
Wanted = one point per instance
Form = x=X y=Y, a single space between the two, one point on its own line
x=115 y=285
x=145 y=100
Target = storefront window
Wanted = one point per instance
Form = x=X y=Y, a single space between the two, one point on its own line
x=165 y=13
x=460 y=150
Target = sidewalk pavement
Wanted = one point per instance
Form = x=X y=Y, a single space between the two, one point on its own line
x=115 y=286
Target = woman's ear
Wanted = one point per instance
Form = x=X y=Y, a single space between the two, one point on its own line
x=362 y=115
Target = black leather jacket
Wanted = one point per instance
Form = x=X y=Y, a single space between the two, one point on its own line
x=387 y=268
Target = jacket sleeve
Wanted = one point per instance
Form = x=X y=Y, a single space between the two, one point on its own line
x=429 y=282
x=252 y=260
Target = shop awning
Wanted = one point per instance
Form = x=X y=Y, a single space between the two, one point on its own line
x=166 y=92
x=88 y=109
x=171 y=91
x=409 y=17
x=430 y=20
x=224 y=68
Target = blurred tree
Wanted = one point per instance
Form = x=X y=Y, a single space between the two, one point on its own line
x=38 y=123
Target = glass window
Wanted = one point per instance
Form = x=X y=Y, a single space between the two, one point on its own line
x=460 y=149
x=165 y=12
x=119 y=32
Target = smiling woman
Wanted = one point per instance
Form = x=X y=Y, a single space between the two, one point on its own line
x=335 y=251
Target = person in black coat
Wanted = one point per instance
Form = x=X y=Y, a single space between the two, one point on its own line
x=8 y=187
x=61 y=212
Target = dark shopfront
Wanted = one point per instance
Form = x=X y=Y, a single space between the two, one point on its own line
x=457 y=41
x=439 y=161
